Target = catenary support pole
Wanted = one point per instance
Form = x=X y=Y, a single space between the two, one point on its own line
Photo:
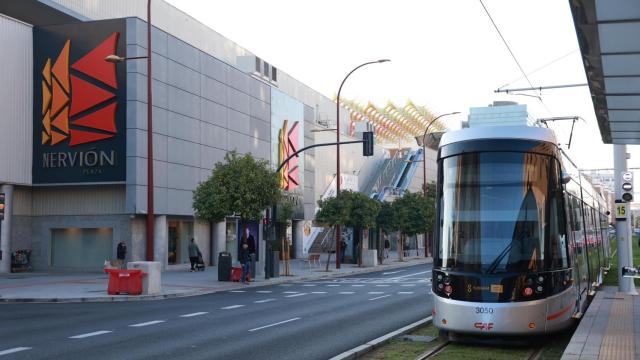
x=623 y=233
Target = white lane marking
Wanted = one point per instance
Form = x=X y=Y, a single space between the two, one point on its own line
x=264 y=291
x=358 y=285
x=333 y=285
x=291 y=292
x=309 y=285
x=318 y=292
x=147 y=323
x=294 y=295
x=263 y=301
x=237 y=291
x=284 y=285
x=379 y=297
x=278 y=323
x=404 y=276
x=347 y=292
x=392 y=272
x=405 y=292
x=408 y=285
x=95 y=333
x=375 y=292
x=381 y=285
x=194 y=314
x=231 y=307
x=14 y=350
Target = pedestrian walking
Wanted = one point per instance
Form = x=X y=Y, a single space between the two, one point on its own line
x=245 y=261
x=121 y=254
x=194 y=251
x=387 y=246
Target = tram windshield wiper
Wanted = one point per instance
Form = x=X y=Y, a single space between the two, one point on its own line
x=499 y=258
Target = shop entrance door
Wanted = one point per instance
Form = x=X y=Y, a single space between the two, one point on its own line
x=180 y=234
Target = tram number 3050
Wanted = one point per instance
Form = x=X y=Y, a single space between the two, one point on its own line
x=484 y=310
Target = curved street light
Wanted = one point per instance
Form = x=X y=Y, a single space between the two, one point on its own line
x=338 y=230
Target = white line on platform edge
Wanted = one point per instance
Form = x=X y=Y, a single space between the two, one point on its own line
x=14 y=350
x=194 y=314
x=278 y=323
x=95 y=333
x=147 y=323
x=231 y=307
x=380 y=297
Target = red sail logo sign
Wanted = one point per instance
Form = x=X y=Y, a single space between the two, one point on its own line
x=81 y=111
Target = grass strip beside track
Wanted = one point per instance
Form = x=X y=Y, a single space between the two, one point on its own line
x=612 y=277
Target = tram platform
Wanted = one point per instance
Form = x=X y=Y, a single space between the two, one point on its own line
x=610 y=329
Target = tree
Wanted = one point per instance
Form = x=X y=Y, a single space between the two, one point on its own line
x=241 y=186
x=352 y=209
x=414 y=214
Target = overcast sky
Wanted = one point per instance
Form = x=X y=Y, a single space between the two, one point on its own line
x=445 y=55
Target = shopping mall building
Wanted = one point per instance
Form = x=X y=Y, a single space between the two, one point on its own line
x=73 y=145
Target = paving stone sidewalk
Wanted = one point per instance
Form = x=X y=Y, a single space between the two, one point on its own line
x=92 y=287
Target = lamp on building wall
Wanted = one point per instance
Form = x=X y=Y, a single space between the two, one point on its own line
x=422 y=141
x=338 y=230
x=150 y=207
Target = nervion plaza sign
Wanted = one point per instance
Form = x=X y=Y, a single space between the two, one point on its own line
x=79 y=109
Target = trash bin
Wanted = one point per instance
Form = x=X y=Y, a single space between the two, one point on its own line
x=124 y=281
x=224 y=266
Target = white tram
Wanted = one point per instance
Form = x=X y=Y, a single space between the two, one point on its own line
x=521 y=238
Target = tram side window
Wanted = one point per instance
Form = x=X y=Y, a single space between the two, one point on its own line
x=557 y=232
x=576 y=223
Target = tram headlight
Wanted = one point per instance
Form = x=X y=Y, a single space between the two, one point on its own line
x=539 y=289
x=527 y=291
x=439 y=277
x=440 y=286
x=540 y=279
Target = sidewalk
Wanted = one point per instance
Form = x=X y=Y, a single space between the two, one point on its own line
x=92 y=287
x=610 y=329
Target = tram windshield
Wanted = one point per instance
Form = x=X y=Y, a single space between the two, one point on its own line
x=498 y=211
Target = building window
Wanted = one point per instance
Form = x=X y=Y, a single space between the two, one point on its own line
x=266 y=71
x=258 y=63
x=274 y=74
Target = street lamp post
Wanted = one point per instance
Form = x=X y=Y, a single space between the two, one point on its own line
x=338 y=230
x=424 y=167
x=150 y=207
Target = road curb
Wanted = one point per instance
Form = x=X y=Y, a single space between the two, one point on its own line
x=375 y=343
x=273 y=281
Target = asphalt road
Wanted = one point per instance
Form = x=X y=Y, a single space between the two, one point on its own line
x=305 y=320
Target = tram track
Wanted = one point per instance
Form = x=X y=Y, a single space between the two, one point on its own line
x=535 y=353
x=434 y=351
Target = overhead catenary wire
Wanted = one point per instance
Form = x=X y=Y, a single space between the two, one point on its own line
x=506 y=44
x=540 y=68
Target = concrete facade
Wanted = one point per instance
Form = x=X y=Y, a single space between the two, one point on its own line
x=204 y=105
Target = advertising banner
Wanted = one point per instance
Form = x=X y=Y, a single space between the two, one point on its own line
x=79 y=103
